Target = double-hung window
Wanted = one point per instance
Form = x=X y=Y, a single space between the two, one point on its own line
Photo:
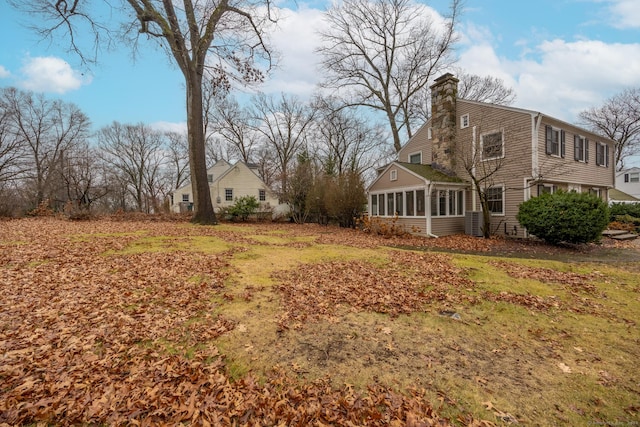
x=554 y=141
x=602 y=154
x=262 y=195
x=580 y=149
x=228 y=194
x=495 y=199
x=185 y=197
x=492 y=145
x=374 y=205
x=632 y=177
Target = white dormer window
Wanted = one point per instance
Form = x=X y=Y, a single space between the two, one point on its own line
x=464 y=121
x=393 y=175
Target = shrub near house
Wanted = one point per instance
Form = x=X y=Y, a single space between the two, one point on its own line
x=568 y=217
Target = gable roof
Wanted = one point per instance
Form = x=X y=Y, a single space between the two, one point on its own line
x=426 y=172
x=429 y=173
x=620 y=196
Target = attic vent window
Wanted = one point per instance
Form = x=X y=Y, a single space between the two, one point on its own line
x=464 y=121
x=393 y=175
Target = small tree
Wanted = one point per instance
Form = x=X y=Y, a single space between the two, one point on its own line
x=567 y=217
x=244 y=207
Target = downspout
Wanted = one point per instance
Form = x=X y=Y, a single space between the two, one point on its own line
x=536 y=121
x=473 y=171
x=428 y=203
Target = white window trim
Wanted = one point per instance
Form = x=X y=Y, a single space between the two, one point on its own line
x=482 y=135
x=559 y=154
x=448 y=194
x=504 y=200
x=413 y=154
x=585 y=149
x=393 y=175
x=634 y=177
x=429 y=133
x=605 y=154
x=464 y=121
x=183 y=198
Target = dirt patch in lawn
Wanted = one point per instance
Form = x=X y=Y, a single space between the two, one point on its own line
x=124 y=322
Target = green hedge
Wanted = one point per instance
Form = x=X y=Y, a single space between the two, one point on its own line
x=565 y=217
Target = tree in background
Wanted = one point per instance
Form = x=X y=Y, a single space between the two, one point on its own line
x=219 y=38
x=283 y=123
x=135 y=153
x=379 y=54
x=46 y=129
x=473 y=87
x=617 y=119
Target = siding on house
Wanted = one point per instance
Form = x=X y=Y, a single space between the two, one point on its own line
x=419 y=143
x=240 y=179
x=447 y=226
x=632 y=184
x=513 y=142
x=567 y=170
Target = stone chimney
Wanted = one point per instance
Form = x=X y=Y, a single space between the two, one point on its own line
x=443 y=122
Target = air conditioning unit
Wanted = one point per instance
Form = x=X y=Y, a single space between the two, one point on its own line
x=473 y=223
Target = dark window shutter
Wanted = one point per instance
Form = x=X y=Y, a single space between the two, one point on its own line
x=586 y=150
x=576 y=147
x=626 y=177
x=549 y=138
x=562 y=148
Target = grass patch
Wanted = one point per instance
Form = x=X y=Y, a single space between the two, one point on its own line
x=538 y=342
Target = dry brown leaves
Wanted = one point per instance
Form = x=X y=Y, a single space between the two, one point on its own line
x=88 y=338
x=579 y=282
x=405 y=285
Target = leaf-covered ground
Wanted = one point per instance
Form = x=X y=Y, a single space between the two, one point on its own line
x=154 y=322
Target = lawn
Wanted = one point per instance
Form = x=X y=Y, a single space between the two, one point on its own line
x=147 y=322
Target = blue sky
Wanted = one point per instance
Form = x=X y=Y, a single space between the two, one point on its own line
x=561 y=56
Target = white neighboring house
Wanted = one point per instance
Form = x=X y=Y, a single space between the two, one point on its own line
x=227 y=183
x=628 y=181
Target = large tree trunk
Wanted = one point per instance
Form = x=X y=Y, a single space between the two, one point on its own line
x=203 y=209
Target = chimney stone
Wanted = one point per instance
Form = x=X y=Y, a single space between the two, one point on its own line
x=444 y=93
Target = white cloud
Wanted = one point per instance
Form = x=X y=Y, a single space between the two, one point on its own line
x=4 y=73
x=296 y=40
x=626 y=13
x=51 y=74
x=562 y=78
x=170 y=127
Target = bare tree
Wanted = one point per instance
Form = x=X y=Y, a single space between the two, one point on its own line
x=283 y=123
x=484 y=89
x=236 y=127
x=347 y=141
x=618 y=119
x=135 y=152
x=381 y=53
x=178 y=159
x=228 y=33
x=472 y=87
x=47 y=129
x=83 y=177
x=12 y=151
